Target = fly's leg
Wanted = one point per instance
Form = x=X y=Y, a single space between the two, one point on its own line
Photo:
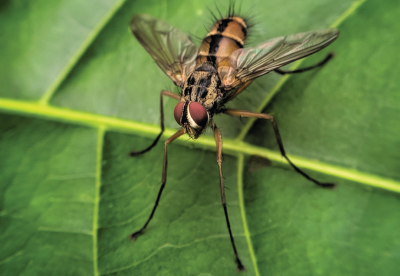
x=218 y=142
x=242 y=113
x=136 y=234
x=163 y=93
x=321 y=63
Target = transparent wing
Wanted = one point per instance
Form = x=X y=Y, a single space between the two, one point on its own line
x=250 y=63
x=170 y=48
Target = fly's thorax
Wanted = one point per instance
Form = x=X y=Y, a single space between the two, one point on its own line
x=203 y=86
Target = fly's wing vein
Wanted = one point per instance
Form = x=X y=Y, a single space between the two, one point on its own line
x=170 y=48
x=249 y=63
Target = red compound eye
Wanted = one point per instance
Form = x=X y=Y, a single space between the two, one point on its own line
x=198 y=113
x=178 y=112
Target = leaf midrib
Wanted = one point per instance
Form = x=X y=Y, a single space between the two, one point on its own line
x=230 y=146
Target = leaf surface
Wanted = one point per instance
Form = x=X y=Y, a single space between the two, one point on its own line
x=78 y=93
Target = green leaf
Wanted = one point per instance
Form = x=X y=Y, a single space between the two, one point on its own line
x=78 y=93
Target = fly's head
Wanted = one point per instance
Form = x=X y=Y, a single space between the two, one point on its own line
x=192 y=116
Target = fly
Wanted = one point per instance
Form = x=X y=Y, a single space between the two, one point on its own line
x=216 y=73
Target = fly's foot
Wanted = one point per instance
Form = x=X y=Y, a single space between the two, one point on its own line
x=137 y=153
x=134 y=153
x=240 y=267
x=328 y=185
x=135 y=235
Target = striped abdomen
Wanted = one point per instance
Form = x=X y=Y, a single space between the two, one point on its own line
x=225 y=36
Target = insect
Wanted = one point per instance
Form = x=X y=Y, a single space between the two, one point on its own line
x=216 y=73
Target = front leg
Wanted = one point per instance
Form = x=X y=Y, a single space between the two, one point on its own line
x=162 y=93
x=180 y=132
x=218 y=142
x=249 y=114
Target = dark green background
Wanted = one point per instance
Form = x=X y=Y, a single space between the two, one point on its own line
x=345 y=114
